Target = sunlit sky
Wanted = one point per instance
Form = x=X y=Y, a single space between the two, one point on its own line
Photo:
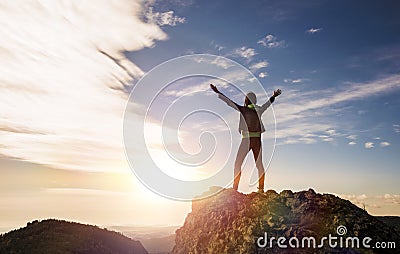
x=67 y=68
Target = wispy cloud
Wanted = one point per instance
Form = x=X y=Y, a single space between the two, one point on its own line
x=245 y=52
x=204 y=86
x=353 y=91
x=352 y=137
x=396 y=128
x=372 y=202
x=217 y=46
x=331 y=132
x=352 y=143
x=355 y=199
x=388 y=55
x=369 y=145
x=392 y=198
x=271 y=41
x=297 y=80
x=262 y=74
x=63 y=77
x=259 y=65
x=300 y=114
x=314 y=30
x=294 y=81
x=163 y=18
x=384 y=144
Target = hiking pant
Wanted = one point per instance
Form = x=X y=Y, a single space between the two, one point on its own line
x=247 y=144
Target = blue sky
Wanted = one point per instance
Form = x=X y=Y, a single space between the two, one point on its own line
x=338 y=59
x=68 y=67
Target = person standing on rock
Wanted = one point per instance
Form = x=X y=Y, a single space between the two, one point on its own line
x=251 y=127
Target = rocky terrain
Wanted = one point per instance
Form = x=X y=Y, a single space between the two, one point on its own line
x=231 y=222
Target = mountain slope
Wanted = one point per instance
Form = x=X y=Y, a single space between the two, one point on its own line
x=392 y=221
x=232 y=222
x=56 y=236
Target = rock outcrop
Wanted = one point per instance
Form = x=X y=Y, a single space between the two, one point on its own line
x=231 y=222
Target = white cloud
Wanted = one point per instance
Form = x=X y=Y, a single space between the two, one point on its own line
x=263 y=74
x=384 y=144
x=392 y=198
x=302 y=128
x=352 y=143
x=61 y=77
x=259 y=65
x=372 y=202
x=163 y=18
x=351 y=92
x=314 y=30
x=217 y=46
x=222 y=62
x=352 y=137
x=316 y=112
x=396 y=128
x=204 y=86
x=218 y=61
x=331 y=132
x=192 y=90
x=271 y=41
x=245 y=52
x=355 y=199
x=369 y=145
x=294 y=81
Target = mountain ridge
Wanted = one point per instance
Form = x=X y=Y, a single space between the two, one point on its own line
x=60 y=236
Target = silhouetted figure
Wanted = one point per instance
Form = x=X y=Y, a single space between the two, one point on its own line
x=251 y=127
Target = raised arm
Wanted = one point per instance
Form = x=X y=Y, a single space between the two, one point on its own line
x=224 y=98
x=270 y=101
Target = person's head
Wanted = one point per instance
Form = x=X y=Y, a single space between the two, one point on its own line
x=250 y=99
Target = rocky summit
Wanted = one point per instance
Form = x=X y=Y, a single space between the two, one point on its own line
x=302 y=222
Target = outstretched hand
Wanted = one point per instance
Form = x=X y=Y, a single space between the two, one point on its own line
x=277 y=93
x=214 y=88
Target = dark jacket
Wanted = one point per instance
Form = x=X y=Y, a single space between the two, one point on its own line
x=250 y=118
